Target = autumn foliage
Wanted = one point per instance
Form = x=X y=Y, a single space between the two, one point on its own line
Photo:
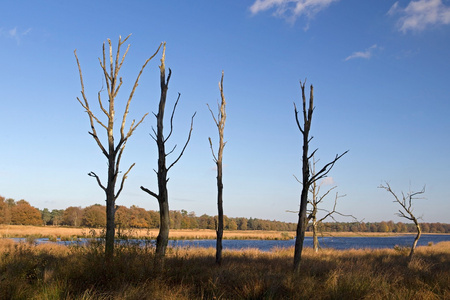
x=19 y=213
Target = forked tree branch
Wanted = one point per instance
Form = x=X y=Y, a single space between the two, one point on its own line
x=405 y=202
x=92 y=174
x=326 y=169
x=212 y=150
x=124 y=177
x=132 y=94
x=171 y=118
x=185 y=145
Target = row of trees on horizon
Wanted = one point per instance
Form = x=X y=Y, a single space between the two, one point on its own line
x=22 y=213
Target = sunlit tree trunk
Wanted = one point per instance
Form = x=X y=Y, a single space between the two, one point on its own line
x=113 y=152
x=220 y=123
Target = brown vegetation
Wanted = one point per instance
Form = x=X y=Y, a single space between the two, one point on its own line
x=54 y=232
x=58 y=272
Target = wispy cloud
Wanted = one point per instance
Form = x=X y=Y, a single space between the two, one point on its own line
x=291 y=9
x=327 y=181
x=363 y=54
x=14 y=34
x=418 y=15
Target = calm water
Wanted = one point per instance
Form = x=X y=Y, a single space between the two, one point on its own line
x=325 y=242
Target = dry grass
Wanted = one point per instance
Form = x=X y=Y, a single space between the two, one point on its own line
x=56 y=272
x=71 y=232
x=68 y=232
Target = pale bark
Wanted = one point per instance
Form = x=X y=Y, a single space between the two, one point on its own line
x=407 y=212
x=113 y=152
x=220 y=123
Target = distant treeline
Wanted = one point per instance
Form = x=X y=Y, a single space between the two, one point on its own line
x=383 y=226
x=22 y=213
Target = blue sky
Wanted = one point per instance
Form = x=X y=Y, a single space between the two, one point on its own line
x=380 y=71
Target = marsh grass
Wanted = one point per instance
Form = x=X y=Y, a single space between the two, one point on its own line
x=49 y=271
x=72 y=233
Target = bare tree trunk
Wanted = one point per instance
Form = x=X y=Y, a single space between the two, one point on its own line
x=219 y=230
x=301 y=229
x=416 y=239
x=302 y=220
x=164 y=224
x=220 y=123
x=315 y=238
x=163 y=195
x=307 y=181
x=113 y=152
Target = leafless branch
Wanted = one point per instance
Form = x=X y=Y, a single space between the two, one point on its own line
x=171 y=151
x=296 y=119
x=171 y=118
x=133 y=90
x=325 y=194
x=149 y=192
x=85 y=105
x=407 y=212
x=185 y=145
x=92 y=174
x=212 y=150
x=212 y=114
x=124 y=177
x=327 y=168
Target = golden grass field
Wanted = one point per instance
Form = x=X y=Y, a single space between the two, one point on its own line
x=50 y=271
x=69 y=232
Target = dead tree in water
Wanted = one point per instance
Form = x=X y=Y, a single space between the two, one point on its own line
x=307 y=181
x=220 y=123
x=163 y=196
x=407 y=212
x=113 y=152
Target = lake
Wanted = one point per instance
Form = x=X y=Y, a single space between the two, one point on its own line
x=340 y=243
x=325 y=242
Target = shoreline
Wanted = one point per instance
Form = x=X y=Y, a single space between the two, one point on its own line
x=54 y=232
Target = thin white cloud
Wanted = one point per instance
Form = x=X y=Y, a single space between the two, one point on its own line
x=291 y=9
x=14 y=34
x=363 y=54
x=327 y=181
x=420 y=14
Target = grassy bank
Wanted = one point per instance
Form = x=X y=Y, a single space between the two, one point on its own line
x=48 y=271
x=67 y=233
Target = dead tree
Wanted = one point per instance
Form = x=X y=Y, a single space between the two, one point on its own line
x=315 y=221
x=220 y=123
x=307 y=180
x=163 y=196
x=113 y=152
x=315 y=201
x=407 y=212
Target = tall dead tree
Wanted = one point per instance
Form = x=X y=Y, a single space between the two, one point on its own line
x=163 y=196
x=307 y=180
x=112 y=151
x=220 y=123
x=407 y=212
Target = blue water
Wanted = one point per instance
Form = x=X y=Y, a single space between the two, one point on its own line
x=325 y=242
